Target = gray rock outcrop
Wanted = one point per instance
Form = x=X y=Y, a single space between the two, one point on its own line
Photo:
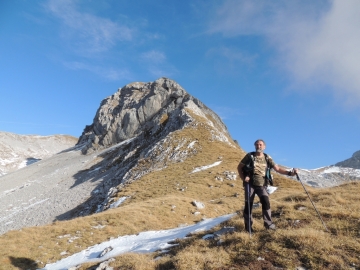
x=353 y=162
x=140 y=108
x=133 y=128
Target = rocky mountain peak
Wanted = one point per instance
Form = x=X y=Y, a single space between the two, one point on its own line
x=142 y=108
x=146 y=127
x=353 y=162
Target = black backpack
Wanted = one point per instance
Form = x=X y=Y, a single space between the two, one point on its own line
x=248 y=170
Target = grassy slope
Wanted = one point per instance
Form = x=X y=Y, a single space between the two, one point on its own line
x=150 y=207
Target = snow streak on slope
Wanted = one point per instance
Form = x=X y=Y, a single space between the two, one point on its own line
x=202 y=168
x=144 y=242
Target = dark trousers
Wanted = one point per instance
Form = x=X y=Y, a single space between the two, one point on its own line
x=265 y=204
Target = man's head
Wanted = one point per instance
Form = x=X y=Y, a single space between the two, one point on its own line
x=259 y=145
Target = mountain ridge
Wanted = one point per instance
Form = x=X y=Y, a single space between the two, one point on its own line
x=142 y=108
x=353 y=162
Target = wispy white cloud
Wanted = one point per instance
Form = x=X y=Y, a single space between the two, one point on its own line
x=87 y=32
x=157 y=64
x=154 y=56
x=232 y=55
x=109 y=73
x=316 y=41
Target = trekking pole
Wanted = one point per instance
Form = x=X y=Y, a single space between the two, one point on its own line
x=298 y=178
x=248 y=201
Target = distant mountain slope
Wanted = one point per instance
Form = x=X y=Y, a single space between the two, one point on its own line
x=329 y=176
x=334 y=175
x=353 y=162
x=18 y=151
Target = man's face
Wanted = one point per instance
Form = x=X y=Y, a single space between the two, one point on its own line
x=259 y=146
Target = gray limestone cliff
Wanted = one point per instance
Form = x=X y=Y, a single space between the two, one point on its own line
x=142 y=108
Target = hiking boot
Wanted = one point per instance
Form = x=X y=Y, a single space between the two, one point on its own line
x=271 y=227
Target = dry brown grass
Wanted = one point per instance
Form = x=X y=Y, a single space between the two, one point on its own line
x=299 y=240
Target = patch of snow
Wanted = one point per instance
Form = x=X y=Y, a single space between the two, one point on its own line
x=332 y=170
x=199 y=205
x=98 y=226
x=143 y=242
x=22 y=164
x=5 y=162
x=118 y=202
x=111 y=148
x=180 y=145
x=202 y=168
x=96 y=169
x=191 y=145
x=320 y=168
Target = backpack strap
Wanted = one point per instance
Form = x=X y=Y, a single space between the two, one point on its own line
x=267 y=159
x=251 y=165
x=252 y=156
x=268 y=176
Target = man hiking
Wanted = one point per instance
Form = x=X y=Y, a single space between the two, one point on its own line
x=254 y=170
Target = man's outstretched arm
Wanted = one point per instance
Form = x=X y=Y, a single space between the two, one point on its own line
x=280 y=170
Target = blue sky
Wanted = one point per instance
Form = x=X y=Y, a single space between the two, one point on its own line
x=284 y=71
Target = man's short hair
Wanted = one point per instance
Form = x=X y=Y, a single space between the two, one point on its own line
x=259 y=140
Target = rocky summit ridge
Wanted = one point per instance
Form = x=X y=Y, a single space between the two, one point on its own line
x=135 y=126
x=148 y=109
